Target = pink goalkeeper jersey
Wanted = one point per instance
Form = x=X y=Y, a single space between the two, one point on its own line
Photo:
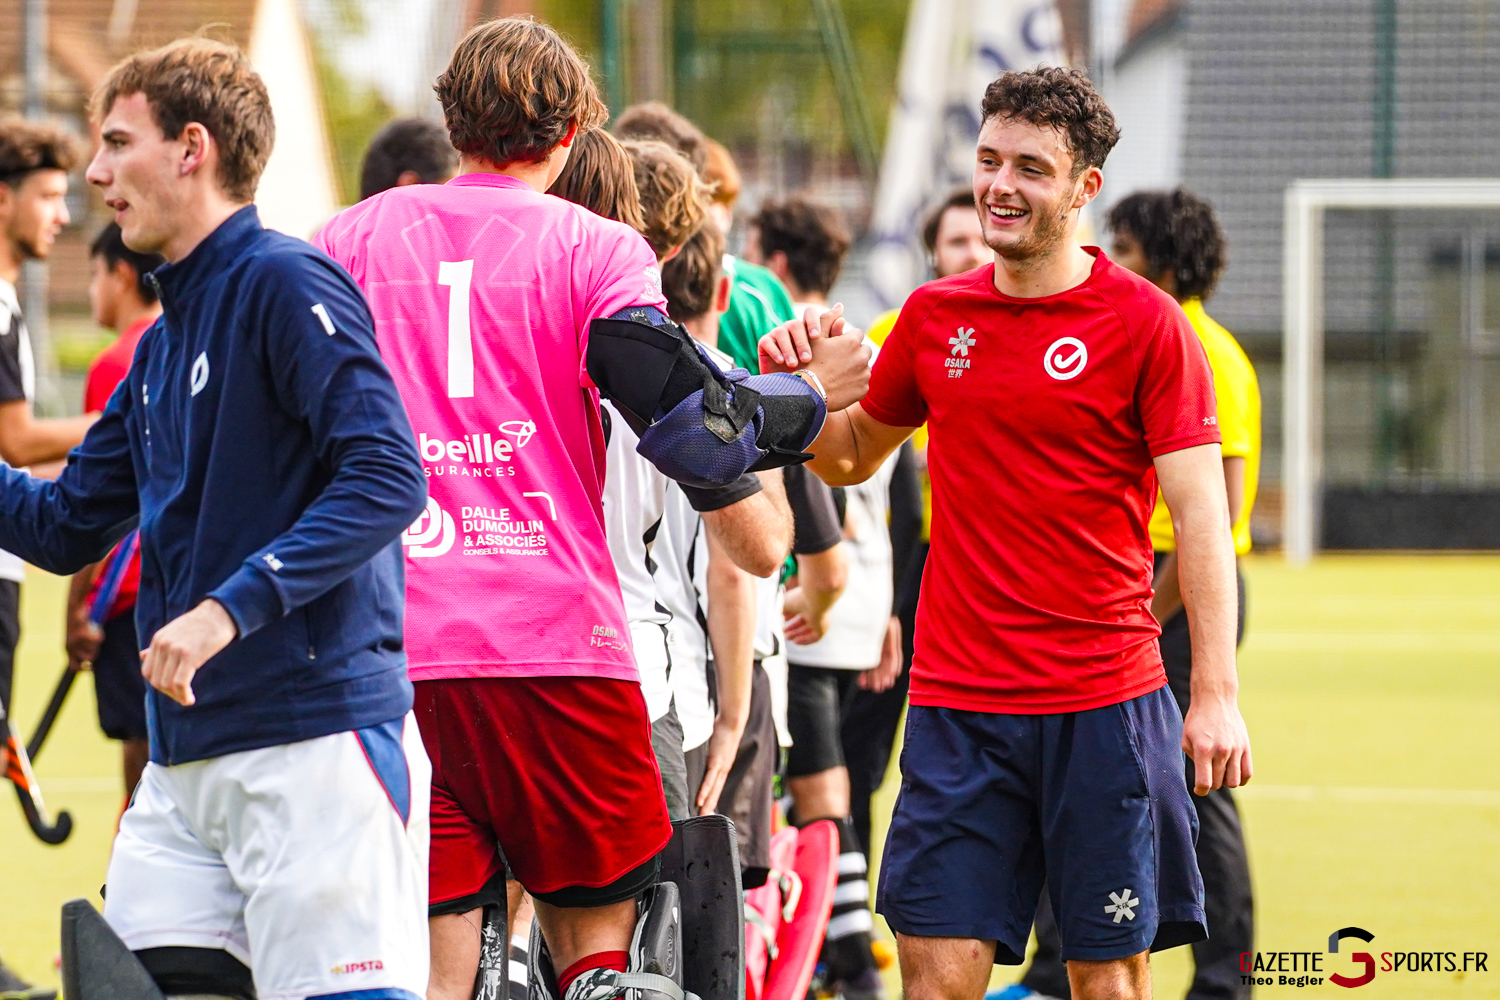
x=482 y=291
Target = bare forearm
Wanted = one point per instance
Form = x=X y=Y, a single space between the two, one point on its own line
x=29 y=442
x=755 y=533
x=836 y=451
x=79 y=586
x=731 y=632
x=1205 y=575
x=852 y=446
x=822 y=577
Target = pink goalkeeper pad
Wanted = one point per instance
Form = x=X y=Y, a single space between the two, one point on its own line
x=800 y=939
x=763 y=910
x=482 y=291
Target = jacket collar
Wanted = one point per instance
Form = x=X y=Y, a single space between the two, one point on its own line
x=212 y=255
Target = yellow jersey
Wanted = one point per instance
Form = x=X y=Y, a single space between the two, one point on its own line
x=1238 y=393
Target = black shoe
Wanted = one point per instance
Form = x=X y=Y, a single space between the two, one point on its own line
x=13 y=987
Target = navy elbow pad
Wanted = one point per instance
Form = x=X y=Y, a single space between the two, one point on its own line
x=699 y=425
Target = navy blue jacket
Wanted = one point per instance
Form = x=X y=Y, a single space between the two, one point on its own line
x=262 y=446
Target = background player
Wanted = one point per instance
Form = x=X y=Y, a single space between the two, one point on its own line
x=1053 y=384
x=270 y=603
x=758 y=300
x=549 y=660
x=698 y=289
x=833 y=636
x=407 y=151
x=123 y=300
x=34 y=164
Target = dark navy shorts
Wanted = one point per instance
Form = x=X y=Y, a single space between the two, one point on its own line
x=1093 y=804
x=119 y=687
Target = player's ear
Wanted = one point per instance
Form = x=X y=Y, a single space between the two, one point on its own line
x=1088 y=187
x=197 y=145
x=722 y=292
x=572 y=133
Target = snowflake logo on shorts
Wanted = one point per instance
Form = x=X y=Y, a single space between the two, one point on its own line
x=1123 y=905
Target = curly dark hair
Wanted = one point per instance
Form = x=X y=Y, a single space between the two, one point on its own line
x=1058 y=98
x=812 y=236
x=1179 y=234
x=27 y=146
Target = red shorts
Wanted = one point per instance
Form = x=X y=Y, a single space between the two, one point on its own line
x=557 y=772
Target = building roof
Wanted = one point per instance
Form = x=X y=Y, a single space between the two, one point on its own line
x=86 y=37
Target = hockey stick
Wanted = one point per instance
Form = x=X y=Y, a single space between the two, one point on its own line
x=18 y=770
x=44 y=724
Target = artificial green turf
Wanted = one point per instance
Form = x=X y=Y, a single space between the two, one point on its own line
x=1372 y=689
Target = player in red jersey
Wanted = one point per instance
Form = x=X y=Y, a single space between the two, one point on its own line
x=1042 y=741
x=101 y=633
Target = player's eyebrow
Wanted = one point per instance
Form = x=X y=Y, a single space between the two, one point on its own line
x=1037 y=158
x=114 y=132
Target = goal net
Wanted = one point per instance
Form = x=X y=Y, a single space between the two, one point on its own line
x=1390 y=396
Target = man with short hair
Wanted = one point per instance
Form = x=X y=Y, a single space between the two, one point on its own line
x=803 y=243
x=34 y=164
x=541 y=307
x=698 y=288
x=407 y=151
x=1042 y=743
x=276 y=844
x=100 y=631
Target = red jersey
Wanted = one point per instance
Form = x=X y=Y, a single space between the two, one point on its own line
x=107 y=371
x=1044 y=416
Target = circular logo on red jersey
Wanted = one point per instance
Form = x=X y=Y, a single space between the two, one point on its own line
x=1065 y=358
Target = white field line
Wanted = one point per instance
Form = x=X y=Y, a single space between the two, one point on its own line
x=1370 y=796
x=1375 y=642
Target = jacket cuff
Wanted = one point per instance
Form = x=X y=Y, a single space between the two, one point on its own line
x=251 y=598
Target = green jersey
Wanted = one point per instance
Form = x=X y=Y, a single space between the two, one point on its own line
x=758 y=303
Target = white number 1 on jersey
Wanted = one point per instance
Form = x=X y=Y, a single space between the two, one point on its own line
x=459 y=276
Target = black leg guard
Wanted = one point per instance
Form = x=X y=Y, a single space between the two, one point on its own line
x=198 y=972
x=703 y=859
x=96 y=965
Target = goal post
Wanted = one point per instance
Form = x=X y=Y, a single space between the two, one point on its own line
x=1302 y=323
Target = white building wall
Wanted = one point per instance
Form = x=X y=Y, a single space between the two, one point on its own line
x=1148 y=94
x=297 y=192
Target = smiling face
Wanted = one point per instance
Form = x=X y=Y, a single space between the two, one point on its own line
x=1025 y=188
x=33 y=211
x=142 y=174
